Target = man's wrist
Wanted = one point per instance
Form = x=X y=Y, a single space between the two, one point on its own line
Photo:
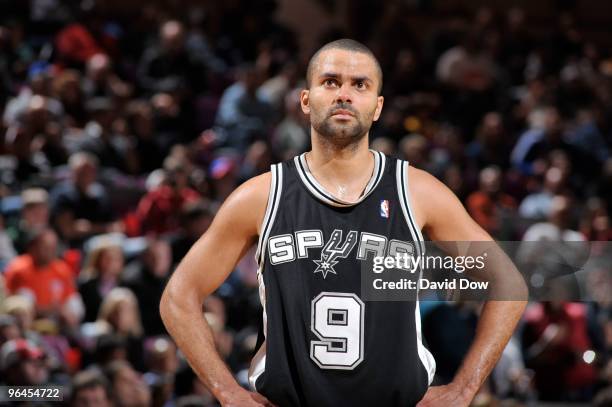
x=466 y=388
x=226 y=393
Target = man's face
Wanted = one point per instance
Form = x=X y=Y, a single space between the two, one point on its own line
x=34 y=372
x=158 y=258
x=94 y=396
x=130 y=389
x=36 y=215
x=45 y=250
x=85 y=175
x=343 y=100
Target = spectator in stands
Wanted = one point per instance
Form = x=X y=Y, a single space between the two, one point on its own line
x=157 y=209
x=414 y=148
x=223 y=172
x=101 y=139
x=168 y=64
x=34 y=215
x=257 y=160
x=140 y=120
x=79 y=41
x=535 y=145
x=90 y=388
x=554 y=340
x=9 y=329
x=490 y=206
x=81 y=206
x=45 y=130
x=491 y=144
x=127 y=386
x=162 y=364
x=121 y=311
x=101 y=80
x=467 y=66
x=28 y=164
x=557 y=227
x=101 y=273
x=551 y=252
x=109 y=346
x=195 y=218
x=242 y=113
x=449 y=328
x=384 y=145
x=42 y=276
x=21 y=308
x=536 y=206
x=67 y=89
x=39 y=84
x=274 y=89
x=291 y=136
x=595 y=223
x=147 y=278
x=23 y=364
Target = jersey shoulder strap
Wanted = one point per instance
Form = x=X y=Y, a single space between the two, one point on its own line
x=274 y=196
x=401 y=177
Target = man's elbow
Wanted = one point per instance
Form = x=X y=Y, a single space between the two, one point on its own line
x=165 y=306
x=178 y=300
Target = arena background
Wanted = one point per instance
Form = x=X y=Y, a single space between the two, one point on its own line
x=126 y=124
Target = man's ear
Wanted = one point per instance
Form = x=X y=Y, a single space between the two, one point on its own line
x=379 y=106
x=305 y=101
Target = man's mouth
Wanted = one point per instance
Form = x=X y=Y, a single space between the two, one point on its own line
x=342 y=114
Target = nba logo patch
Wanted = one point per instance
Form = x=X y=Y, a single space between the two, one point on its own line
x=384 y=208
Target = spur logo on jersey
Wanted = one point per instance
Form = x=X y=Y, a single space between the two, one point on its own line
x=335 y=250
x=303 y=244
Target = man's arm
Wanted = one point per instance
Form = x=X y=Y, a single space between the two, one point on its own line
x=444 y=219
x=200 y=273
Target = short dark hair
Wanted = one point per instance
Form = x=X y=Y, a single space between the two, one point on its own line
x=346 y=44
x=88 y=379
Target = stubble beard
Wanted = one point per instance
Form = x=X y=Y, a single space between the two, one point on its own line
x=341 y=133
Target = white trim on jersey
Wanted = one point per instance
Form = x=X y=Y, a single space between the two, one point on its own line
x=318 y=191
x=429 y=363
x=258 y=364
x=276 y=188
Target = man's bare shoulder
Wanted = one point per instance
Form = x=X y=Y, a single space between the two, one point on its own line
x=248 y=202
x=429 y=197
x=422 y=184
x=256 y=188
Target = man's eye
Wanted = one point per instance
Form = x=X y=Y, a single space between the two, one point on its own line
x=361 y=85
x=329 y=82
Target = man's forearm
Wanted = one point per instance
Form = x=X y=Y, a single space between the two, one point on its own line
x=193 y=335
x=495 y=327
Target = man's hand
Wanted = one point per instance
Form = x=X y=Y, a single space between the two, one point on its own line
x=446 y=396
x=244 y=398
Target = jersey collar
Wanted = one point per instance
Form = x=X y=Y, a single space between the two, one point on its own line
x=319 y=192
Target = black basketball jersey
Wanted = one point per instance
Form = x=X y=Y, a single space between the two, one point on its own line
x=324 y=345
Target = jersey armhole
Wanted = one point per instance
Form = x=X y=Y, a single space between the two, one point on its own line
x=403 y=190
x=404 y=198
x=276 y=185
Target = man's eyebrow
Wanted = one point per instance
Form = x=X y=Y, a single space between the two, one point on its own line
x=329 y=75
x=362 y=78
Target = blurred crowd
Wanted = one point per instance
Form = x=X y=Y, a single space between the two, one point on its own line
x=122 y=133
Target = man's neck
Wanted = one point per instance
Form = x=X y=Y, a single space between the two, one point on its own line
x=348 y=167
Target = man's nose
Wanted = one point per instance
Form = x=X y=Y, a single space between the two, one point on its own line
x=343 y=95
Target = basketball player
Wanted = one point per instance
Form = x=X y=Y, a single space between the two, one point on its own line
x=315 y=219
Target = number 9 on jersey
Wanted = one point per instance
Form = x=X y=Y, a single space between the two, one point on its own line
x=337 y=319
